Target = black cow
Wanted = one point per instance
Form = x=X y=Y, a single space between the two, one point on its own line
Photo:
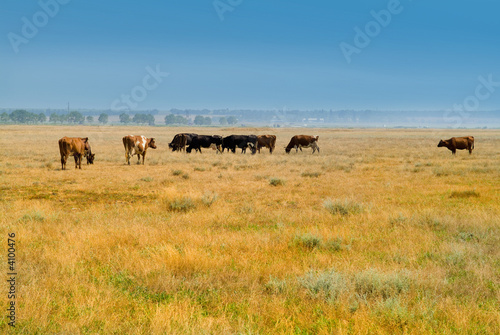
x=240 y=141
x=175 y=145
x=205 y=141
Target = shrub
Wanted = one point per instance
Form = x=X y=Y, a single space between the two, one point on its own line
x=307 y=241
x=209 y=198
x=177 y=172
x=336 y=245
x=182 y=205
x=33 y=216
x=276 y=182
x=372 y=284
x=327 y=285
x=465 y=194
x=311 y=174
x=147 y=179
x=342 y=207
x=275 y=286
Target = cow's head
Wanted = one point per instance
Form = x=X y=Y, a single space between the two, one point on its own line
x=151 y=143
x=287 y=150
x=252 y=147
x=90 y=158
x=442 y=143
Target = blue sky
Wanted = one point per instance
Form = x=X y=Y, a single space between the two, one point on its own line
x=241 y=54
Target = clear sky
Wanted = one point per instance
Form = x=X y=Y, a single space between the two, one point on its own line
x=255 y=54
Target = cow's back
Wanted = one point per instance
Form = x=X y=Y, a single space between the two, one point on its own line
x=71 y=145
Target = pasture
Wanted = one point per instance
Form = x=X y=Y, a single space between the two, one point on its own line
x=380 y=233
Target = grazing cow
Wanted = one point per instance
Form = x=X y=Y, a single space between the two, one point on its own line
x=73 y=146
x=266 y=141
x=460 y=143
x=302 y=141
x=138 y=144
x=240 y=141
x=205 y=141
x=178 y=143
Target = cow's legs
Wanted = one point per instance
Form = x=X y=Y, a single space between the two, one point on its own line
x=63 y=162
x=143 y=155
x=78 y=161
x=127 y=156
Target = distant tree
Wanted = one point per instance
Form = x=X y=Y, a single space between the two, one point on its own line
x=207 y=121
x=199 y=120
x=170 y=119
x=181 y=119
x=42 y=118
x=76 y=117
x=175 y=119
x=103 y=118
x=232 y=120
x=144 y=118
x=54 y=117
x=223 y=121
x=124 y=118
x=90 y=119
x=4 y=117
x=21 y=116
x=150 y=119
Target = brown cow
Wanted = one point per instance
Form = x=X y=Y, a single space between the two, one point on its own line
x=303 y=141
x=460 y=143
x=73 y=146
x=266 y=141
x=139 y=144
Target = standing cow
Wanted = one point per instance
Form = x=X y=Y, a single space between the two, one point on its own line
x=77 y=147
x=205 y=141
x=266 y=141
x=180 y=141
x=460 y=143
x=138 y=144
x=302 y=141
x=232 y=142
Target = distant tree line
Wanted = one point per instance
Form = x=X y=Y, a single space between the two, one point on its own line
x=199 y=120
x=21 y=116
x=148 y=119
x=24 y=117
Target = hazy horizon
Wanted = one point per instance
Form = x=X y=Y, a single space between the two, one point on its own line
x=285 y=55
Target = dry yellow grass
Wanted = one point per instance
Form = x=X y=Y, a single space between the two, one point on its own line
x=382 y=232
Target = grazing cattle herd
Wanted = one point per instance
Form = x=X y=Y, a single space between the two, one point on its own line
x=79 y=147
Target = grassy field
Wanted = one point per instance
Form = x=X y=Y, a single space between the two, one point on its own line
x=380 y=233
